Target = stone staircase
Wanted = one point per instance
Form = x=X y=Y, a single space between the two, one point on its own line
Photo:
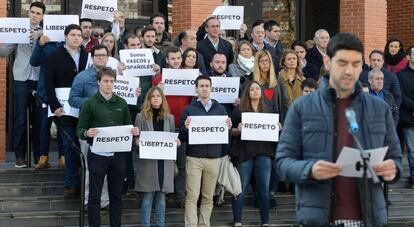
x=30 y=198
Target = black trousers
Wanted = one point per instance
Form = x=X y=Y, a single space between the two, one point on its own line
x=115 y=168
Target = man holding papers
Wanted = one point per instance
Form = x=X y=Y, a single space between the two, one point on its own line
x=61 y=67
x=102 y=110
x=315 y=133
x=25 y=81
x=203 y=160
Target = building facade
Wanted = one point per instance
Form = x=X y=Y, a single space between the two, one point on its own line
x=373 y=21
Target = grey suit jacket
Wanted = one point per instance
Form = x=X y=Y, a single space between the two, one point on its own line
x=21 y=67
x=146 y=176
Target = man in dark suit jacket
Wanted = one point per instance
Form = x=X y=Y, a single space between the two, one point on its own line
x=213 y=43
x=315 y=54
x=258 y=35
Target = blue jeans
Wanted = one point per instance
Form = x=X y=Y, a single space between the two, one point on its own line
x=261 y=166
x=409 y=139
x=72 y=160
x=44 y=131
x=146 y=206
x=22 y=100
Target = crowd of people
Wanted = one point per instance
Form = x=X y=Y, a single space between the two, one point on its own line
x=273 y=79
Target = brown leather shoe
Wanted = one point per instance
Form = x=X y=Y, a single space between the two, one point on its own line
x=71 y=192
x=43 y=162
x=61 y=162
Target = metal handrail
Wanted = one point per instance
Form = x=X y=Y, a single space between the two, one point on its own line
x=82 y=162
x=82 y=173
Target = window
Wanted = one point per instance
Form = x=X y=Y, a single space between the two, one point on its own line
x=52 y=6
x=284 y=12
x=136 y=9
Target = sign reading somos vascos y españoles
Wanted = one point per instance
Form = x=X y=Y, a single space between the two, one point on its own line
x=138 y=62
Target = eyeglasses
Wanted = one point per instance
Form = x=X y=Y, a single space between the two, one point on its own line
x=264 y=61
x=100 y=55
x=98 y=35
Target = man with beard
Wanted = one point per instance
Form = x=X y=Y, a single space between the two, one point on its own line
x=324 y=197
x=158 y=22
x=89 y=41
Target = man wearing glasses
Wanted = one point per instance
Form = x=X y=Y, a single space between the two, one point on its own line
x=213 y=43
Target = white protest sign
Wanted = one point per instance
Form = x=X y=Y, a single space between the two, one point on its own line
x=138 y=62
x=62 y=95
x=230 y=17
x=208 y=130
x=158 y=145
x=179 y=82
x=113 y=139
x=112 y=62
x=99 y=9
x=260 y=127
x=125 y=87
x=15 y=30
x=225 y=89
x=54 y=26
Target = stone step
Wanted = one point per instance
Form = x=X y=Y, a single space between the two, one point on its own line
x=402 y=209
x=31 y=175
x=59 y=203
x=220 y=216
x=8 y=190
x=404 y=182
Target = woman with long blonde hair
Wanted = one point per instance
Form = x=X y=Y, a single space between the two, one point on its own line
x=159 y=174
x=291 y=74
x=273 y=90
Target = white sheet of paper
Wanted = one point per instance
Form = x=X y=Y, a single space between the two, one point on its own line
x=99 y=9
x=62 y=94
x=225 y=89
x=54 y=26
x=350 y=156
x=208 y=130
x=113 y=139
x=230 y=17
x=138 y=62
x=180 y=82
x=15 y=30
x=158 y=145
x=125 y=87
x=260 y=127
